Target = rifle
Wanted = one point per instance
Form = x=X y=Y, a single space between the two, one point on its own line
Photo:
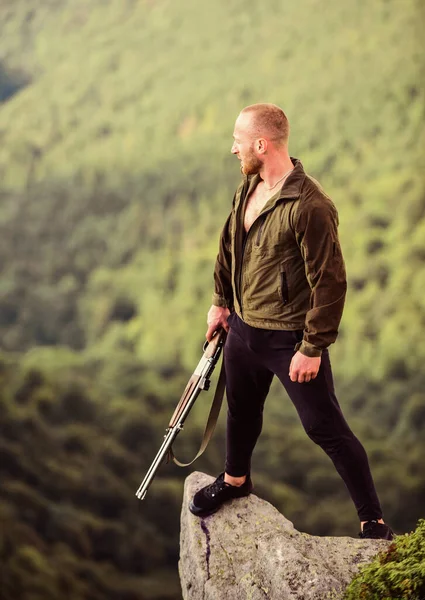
x=200 y=380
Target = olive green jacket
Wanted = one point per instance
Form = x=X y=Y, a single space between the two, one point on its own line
x=287 y=272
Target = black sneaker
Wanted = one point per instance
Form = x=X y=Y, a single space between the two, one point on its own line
x=211 y=497
x=373 y=530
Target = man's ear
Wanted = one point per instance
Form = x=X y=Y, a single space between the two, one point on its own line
x=261 y=146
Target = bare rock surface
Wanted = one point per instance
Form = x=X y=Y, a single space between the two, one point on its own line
x=248 y=551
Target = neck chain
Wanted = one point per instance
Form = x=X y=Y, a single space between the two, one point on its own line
x=279 y=180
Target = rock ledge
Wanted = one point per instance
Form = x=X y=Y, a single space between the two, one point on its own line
x=249 y=551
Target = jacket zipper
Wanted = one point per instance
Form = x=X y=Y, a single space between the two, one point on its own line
x=240 y=271
x=243 y=250
x=242 y=199
x=260 y=229
x=284 y=288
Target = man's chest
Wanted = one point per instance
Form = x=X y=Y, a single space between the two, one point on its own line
x=255 y=204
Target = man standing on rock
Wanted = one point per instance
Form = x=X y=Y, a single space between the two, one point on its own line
x=280 y=287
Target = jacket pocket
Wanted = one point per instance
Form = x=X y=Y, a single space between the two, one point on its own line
x=284 y=288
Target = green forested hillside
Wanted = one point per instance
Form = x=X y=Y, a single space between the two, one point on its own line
x=115 y=179
x=128 y=121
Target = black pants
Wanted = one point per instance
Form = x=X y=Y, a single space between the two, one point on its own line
x=252 y=356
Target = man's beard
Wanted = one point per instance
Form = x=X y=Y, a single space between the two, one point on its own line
x=251 y=164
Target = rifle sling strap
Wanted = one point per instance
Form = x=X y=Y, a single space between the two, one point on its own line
x=212 y=419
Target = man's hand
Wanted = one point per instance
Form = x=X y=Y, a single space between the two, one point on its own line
x=303 y=368
x=216 y=318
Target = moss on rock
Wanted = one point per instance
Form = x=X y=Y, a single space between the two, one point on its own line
x=398 y=573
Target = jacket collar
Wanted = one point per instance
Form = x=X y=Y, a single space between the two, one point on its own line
x=294 y=182
x=291 y=188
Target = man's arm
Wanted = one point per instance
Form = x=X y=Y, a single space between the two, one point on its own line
x=317 y=236
x=223 y=292
x=222 y=299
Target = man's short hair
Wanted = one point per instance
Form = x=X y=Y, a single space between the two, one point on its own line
x=269 y=120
